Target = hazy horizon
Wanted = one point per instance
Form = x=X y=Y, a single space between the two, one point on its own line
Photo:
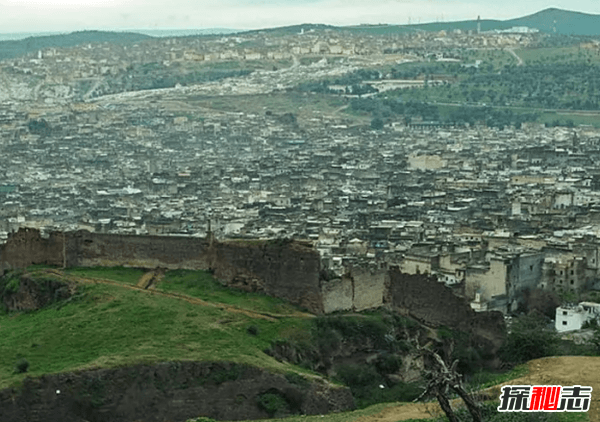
x=51 y=16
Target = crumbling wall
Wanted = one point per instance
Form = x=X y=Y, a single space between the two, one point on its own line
x=425 y=299
x=370 y=287
x=288 y=270
x=338 y=294
x=26 y=247
x=428 y=300
x=361 y=288
x=85 y=249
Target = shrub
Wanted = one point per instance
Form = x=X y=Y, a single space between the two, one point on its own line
x=271 y=402
x=389 y=363
x=297 y=379
x=529 y=339
x=21 y=366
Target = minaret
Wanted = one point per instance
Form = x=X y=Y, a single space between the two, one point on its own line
x=478 y=24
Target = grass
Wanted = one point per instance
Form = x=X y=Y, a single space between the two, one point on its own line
x=571 y=54
x=378 y=408
x=578 y=119
x=337 y=417
x=304 y=106
x=121 y=274
x=485 y=379
x=201 y=284
x=110 y=326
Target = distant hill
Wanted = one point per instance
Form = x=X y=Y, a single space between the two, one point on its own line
x=16 y=48
x=185 y=32
x=567 y=22
x=294 y=29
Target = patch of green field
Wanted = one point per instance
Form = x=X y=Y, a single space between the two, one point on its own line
x=336 y=417
x=109 y=326
x=549 y=55
x=201 y=284
x=302 y=105
x=497 y=58
x=577 y=119
x=121 y=274
x=485 y=379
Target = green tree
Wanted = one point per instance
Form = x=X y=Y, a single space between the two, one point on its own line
x=376 y=123
x=529 y=338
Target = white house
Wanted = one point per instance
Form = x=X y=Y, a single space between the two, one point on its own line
x=569 y=318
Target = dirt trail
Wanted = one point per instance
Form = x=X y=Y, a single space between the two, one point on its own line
x=150 y=279
x=561 y=370
x=193 y=300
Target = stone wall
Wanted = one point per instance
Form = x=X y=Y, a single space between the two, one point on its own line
x=338 y=295
x=285 y=269
x=370 y=287
x=425 y=299
x=288 y=270
x=360 y=289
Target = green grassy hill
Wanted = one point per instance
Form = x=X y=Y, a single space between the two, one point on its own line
x=107 y=325
x=17 y=48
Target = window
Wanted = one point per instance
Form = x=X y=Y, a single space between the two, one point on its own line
x=572 y=272
x=564 y=322
x=572 y=282
x=531 y=268
x=564 y=312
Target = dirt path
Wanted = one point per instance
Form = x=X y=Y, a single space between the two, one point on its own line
x=515 y=55
x=562 y=370
x=193 y=300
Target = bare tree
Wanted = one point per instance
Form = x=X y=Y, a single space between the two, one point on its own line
x=442 y=379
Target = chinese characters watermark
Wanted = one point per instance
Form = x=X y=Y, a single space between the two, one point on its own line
x=545 y=398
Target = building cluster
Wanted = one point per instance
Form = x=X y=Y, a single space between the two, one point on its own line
x=492 y=213
x=67 y=74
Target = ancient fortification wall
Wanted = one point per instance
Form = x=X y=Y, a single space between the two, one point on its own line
x=285 y=269
x=360 y=289
x=425 y=299
x=288 y=270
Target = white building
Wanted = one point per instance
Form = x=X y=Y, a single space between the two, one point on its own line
x=569 y=318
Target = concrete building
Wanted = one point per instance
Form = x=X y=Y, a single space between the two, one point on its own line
x=569 y=318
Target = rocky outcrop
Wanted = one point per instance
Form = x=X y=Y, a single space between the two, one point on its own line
x=172 y=391
x=29 y=295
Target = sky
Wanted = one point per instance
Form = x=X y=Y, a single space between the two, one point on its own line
x=32 y=16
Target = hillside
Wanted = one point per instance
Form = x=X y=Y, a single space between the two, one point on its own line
x=17 y=48
x=566 y=23
x=111 y=323
x=81 y=327
x=94 y=333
